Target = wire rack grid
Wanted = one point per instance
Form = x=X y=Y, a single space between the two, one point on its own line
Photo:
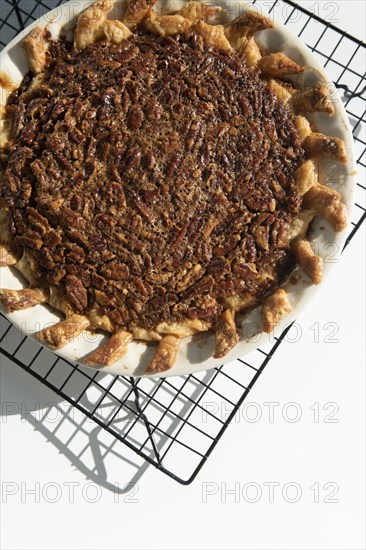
x=175 y=423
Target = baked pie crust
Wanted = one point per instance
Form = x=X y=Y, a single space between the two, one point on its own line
x=159 y=177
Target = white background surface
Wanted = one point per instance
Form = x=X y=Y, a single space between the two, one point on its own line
x=325 y=451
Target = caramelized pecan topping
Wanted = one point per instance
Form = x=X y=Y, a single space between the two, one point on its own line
x=154 y=178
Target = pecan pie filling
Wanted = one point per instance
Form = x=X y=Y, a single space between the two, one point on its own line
x=157 y=178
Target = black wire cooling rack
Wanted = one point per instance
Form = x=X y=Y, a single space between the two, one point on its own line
x=175 y=423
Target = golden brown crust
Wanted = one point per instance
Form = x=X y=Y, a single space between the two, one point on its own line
x=28 y=267
x=115 y=31
x=253 y=21
x=6 y=258
x=303 y=127
x=57 y=299
x=252 y=53
x=328 y=203
x=166 y=25
x=148 y=335
x=100 y=321
x=300 y=224
x=279 y=65
x=35 y=47
x=60 y=334
x=241 y=30
x=282 y=92
x=317 y=144
x=315 y=99
x=14 y=300
x=90 y=22
x=92 y=25
x=115 y=348
x=306 y=176
x=165 y=355
x=311 y=263
x=197 y=11
x=241 y=302
x=185 y=328
x=275 y=308
x=213 y=34
x=136 y=11
x=226 y=335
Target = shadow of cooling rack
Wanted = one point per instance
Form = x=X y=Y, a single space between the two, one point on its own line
x=175 y=423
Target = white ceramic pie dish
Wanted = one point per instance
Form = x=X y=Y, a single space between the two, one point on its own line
x=195 y=354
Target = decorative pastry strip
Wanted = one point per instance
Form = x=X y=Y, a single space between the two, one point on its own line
x=192 y=14
x=28 y=268
x=64 y=332
x=197 y=11
x=115 y=32
x=279 y=65
x=300 y=225
x=315 y=99
x=147 y=335
x=89 y=26
x=241 y=302
x=136 y=11
x=183 y=329
x=240 y=31
x=13 y=300
x=6 y=258
x=35 y=47
x=213 y=34
x=275 y=308
x=165 y=355
x=93 y=25
x=283 y=92
x=166 y=25
x=226 y=335
x=252 y=53
x=303 y=128
x=58 y=301
x=115 y=348
x=317 y=144
x=306 y=176
x=328 y=203
x=311 y=263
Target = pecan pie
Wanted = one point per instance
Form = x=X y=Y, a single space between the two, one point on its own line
x=159 y=177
